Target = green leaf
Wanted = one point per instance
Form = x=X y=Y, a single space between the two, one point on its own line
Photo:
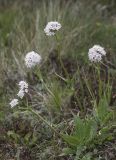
x=33 y=140
x=67 y=151
x=27 y=137
x=102 y=112
x=90 y=130
x=13 y=135
x=85 y=129
x=79 y=128
x=72 y=140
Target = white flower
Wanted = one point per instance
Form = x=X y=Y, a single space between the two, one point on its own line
x=99 y=49
x=14 y=102
x=32 y=59
x=94 y=57
x=21 y=94
x=95 y=53
x=23 y=86
x=26 y=90
x=51 y=28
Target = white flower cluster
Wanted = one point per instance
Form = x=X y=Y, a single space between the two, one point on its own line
x=14 y=102
x=32 y=59
x=51 y=28
x=21 y=94
x=96 y=53
x=23 y=88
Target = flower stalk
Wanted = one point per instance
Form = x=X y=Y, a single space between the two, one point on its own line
x=59 y=56
x=42 y=119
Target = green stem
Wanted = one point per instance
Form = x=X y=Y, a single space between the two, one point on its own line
x=42 y=119
x=100 y=82
x=59 y=57
x=88 y=87
x=104 y=64
x=49 y=91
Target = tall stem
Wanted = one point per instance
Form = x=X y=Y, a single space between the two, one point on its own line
x=59 y=57
x=49 y=91
x=42 y=119
x=100 y=82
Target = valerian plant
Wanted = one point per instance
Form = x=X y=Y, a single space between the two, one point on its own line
x=88 y=131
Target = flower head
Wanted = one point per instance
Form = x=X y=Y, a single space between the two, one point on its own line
x=26 y=90
x=23 y=85
x=21 y=93
x=95 y=53
x=99 y=50
x=51 y=28
x=32 y=59
x=13 y=103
